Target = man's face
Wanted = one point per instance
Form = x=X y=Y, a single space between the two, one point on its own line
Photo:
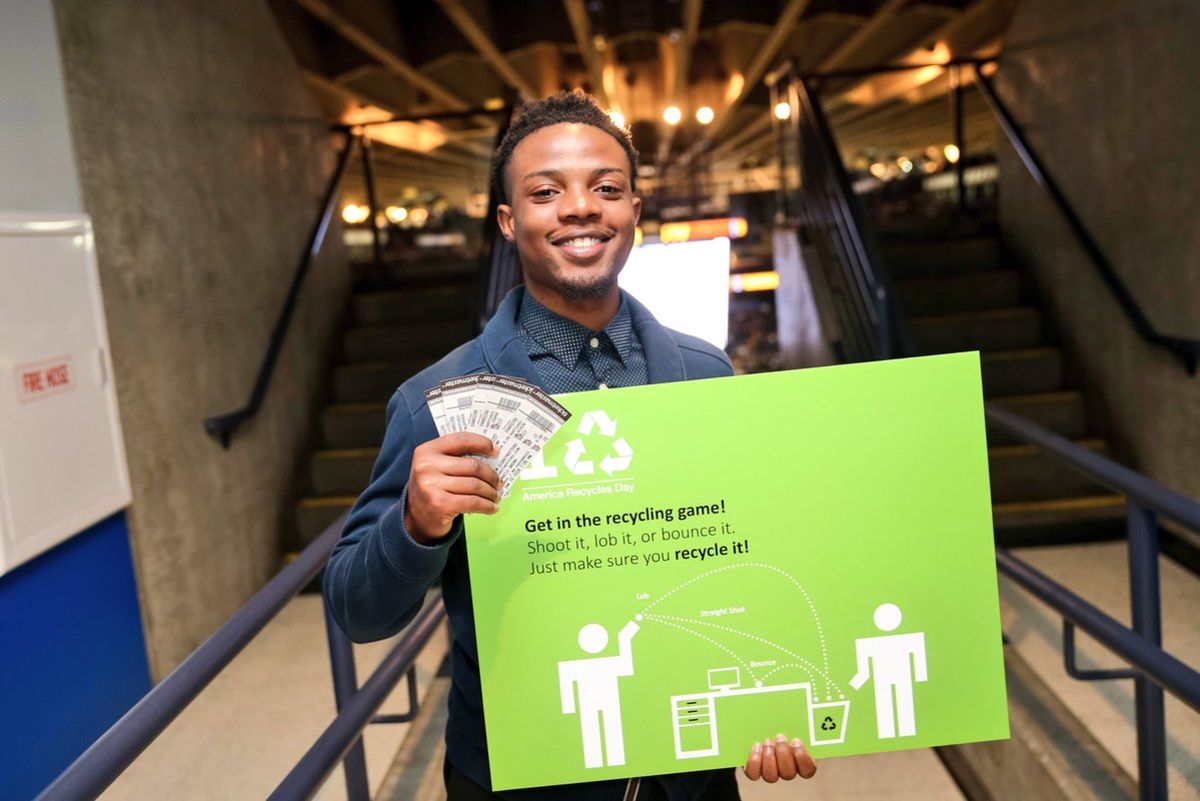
x=571 y=210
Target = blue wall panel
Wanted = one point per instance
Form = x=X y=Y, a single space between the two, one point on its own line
x=72 y=654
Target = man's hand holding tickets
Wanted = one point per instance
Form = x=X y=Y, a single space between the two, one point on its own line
x=446 y=482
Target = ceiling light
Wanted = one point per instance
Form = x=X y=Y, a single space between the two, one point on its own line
x=618 y=118
x=704 y=115
x=952 y=153
x=904 y=164
x=672 y=115
x=783 y=110
x=353 y=213
x=879 y=169
x=396 y=214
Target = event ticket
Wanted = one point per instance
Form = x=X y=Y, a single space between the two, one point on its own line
x=519 y=417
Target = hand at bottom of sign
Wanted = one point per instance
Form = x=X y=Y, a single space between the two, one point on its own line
x=772 y=760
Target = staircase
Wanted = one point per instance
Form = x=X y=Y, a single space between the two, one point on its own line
x=958 y=293
x=401 y=321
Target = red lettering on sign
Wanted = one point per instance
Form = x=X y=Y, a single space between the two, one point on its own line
x=42 y=379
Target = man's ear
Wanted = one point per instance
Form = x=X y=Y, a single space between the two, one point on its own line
x=504 y=218
x=637 y=209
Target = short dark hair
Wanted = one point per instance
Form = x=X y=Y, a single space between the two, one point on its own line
x=563 y=107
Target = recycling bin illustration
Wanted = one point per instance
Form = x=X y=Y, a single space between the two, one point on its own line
x=827 y=722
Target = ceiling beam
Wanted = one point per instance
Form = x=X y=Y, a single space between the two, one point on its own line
x=856 y=40
x=754 y=73
x=470 y=28
x=581 y=26
x=323 y=11
x=677 y=80
x=766 y=54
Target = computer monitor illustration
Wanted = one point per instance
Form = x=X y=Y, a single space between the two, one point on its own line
x=724 y=679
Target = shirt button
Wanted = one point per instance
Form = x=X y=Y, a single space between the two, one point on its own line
x=603 y=385
x=595 y=343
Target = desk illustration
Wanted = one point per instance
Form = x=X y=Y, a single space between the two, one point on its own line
x=694 y=715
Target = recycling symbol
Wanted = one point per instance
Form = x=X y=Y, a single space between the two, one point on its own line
x=618 y=456
x=827 y=724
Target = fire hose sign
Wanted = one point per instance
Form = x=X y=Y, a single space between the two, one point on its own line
x=690 y=567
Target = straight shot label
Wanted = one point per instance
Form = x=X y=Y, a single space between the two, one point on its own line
x=687 y=568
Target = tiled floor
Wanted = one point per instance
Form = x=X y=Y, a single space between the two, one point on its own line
x=1099 y=573
x=243 y=734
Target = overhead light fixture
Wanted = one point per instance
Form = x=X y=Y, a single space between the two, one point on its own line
x=396 y=214
x=952 y=153
x=494 y=103
x=617 y=118
x=904 y=164
x=783 y=110
x=672 y=115
x=879 y=170
x=705 y=115
x=354 y=213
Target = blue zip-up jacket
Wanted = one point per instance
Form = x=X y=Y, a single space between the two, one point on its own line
x=378 y=575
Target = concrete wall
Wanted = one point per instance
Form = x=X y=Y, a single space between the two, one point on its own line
x=1107 y=92
x=202 y=160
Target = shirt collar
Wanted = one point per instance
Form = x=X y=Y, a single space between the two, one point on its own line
x=564 y=338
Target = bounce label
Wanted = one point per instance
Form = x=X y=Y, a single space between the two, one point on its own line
x=688 y=568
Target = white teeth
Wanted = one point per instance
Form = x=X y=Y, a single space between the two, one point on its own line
x=581 y=242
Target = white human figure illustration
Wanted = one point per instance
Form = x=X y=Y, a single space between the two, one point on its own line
x=599 y=704
x=892 y=661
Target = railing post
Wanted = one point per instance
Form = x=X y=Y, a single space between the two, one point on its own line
x=959 y=137
x=345 y=685
x=1147 y=622
x=372 y=200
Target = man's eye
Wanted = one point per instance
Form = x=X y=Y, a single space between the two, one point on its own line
x=609 y=189
x=543 y=192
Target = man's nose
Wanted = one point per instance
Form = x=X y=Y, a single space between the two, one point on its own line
x=579 y=203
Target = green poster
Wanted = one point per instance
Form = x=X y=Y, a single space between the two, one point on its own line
x=692 y=567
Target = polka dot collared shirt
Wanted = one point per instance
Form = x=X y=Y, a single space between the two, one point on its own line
x=570 y=358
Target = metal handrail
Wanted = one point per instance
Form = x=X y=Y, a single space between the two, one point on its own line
x=346 y=729
x=115 y=750
x=1137 y=487
x=1187 y=350
x=1153 y=669
x=105 y=760
x=222 y=427
x=1154 y=663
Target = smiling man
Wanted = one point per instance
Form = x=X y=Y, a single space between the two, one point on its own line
x=568 y=178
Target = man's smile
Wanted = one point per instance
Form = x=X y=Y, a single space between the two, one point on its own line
x=582 y=245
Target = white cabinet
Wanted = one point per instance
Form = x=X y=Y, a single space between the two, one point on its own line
x=62 y=458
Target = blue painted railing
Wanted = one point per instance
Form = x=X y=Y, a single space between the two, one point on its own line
x=108 y=757
x=869 y=316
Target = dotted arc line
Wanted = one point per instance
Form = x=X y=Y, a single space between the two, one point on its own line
x=778 y=668
x=742 y=662
x=828 y=679
x=811 y=606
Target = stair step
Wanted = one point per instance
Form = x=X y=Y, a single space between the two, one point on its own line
x=313 y=515
x=1059 y=521
x=342 y=472
x=354 y=425
x=456 y=301
x=992 y=330
x=945 y=257
x=1061 y=412
x=1021 y=372
x=1028 y=473
x=993 y=289
x=373 y=381
x=425 y=273
x=383 y=343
